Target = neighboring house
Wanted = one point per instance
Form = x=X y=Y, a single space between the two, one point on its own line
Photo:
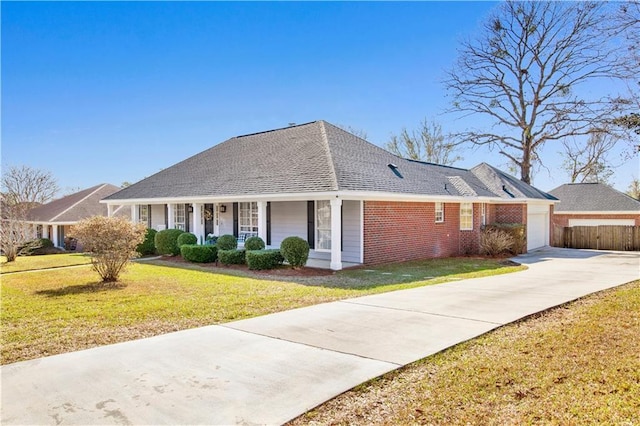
x=592 y=204
x=53 y=220
x=351 y=200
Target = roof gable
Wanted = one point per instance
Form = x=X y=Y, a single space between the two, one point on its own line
x=593 y=197
x=74 y=207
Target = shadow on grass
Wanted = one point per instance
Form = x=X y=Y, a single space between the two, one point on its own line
x=81 y=289
x=434 y=271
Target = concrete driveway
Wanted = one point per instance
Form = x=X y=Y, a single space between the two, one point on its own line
x=270 y=369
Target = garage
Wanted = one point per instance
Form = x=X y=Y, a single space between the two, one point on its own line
x=602 y=221
x=537 y=226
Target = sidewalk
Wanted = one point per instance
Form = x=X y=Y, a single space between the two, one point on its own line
x=270 y=369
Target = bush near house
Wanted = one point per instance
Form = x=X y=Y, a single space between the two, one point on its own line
x=231 y=257
x=518 y=233
x=264 y=259
x=148 y=246
x=295 y=251
x=199 y=254
x=227 y=242
x=494 y=242
x=35 y=247
x=187 y=238
x=167 y=242
x=254 y=243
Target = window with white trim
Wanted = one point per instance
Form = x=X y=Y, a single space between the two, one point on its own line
x=179 y=217
x=439 y=212
x=323 y=225
x=466 y=216
x=248 y=219
x=143 y=214
x=483 y=214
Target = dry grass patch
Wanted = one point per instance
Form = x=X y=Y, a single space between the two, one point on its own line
x=576 y=364
x=61 y=310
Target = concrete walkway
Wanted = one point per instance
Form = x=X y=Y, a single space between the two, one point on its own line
x=270 y=369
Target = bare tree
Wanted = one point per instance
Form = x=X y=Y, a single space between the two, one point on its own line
x=23 y=188
x=589 y=163
x=524 y=73
x=634 y=189
x=428 y=143
x=362 y=134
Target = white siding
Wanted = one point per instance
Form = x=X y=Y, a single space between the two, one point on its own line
x=603 y=221
x=226 y=220
x=157 y=216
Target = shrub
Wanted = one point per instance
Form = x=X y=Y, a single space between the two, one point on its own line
x=35 y=247
x=518 y=233
x=167 y=242
x=199 y=254
x=111 y=241
x=254 y=243
x=494 y=242
x=231 y=257
x=187 y=238
x=148 y=246
x=264 y=259
x=227 y=242
x=295 y=251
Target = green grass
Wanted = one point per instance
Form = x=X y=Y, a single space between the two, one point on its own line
x=60 y=310
x=30 y=263
x=575 y=364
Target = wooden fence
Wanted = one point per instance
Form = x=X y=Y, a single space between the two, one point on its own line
x=604 y=237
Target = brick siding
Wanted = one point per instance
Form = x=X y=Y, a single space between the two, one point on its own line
x=510 y=213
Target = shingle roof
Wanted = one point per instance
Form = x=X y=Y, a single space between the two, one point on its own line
x=505 y=185
x=593 y=197
x=74 y=207
x=307 y=158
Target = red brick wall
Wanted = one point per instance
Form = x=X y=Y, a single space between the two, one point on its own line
x=563 y=219
x=510 y=213
x=398 y=231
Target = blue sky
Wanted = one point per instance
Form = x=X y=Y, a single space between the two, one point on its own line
x=116 y=91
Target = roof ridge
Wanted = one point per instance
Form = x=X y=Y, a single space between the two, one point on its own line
x=274 y=130
x=325 y=140
x=98 y=188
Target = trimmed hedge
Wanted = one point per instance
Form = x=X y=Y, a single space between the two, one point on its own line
x=295 y=251
x=200 y=254
x=35 y=247
x=227 y=242
x=148 y=246
x=187 y=238
x=254 y=243
x=264 y=259
x=231 y=257
x=167 y=242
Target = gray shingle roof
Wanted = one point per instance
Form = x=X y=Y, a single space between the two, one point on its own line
x=593 y=197
x=307 y=158
x=74 y=207
x=507 y=186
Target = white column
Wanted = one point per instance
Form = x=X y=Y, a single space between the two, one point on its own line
x=170 y=218
x=262 y=220
x=198 y=225
x=336 y=240
x=110 y=210
x=135 y=213
x=54 y=231
x=45 y=230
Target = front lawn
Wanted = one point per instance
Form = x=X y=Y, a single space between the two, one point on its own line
x=61 y=310
x=30 y=263
x=572 y=365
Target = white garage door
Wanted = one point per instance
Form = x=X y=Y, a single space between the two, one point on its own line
x=537 y=226
x=596 y=222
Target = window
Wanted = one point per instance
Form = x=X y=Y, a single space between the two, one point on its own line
x=248 y=219
x=466 y=216
x=143 y=214
x=179 y=216
x=439 y=212
x=483 y=214
x=323 y=225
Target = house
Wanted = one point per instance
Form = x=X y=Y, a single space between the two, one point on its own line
x=592 y=204
x=351 y=200
x=54 y=219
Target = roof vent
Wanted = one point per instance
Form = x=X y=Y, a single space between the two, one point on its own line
x=395 y=170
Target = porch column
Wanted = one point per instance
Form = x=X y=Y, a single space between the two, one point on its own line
x=171 y=223
x=198 y=226
x=135 y=213
x=262 y=220
x=109 y=210
x=54 y=231
x=336 y=240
